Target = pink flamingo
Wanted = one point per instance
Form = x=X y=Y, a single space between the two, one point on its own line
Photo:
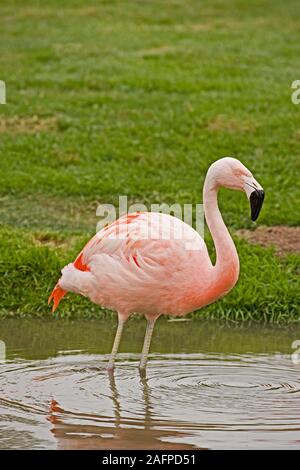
x=155 y=264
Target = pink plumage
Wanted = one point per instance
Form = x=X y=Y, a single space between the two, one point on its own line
x=155 y=264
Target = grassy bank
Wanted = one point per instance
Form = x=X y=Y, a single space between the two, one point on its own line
x=138 y=98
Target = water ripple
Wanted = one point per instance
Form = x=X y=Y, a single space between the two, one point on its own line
x=186 y=401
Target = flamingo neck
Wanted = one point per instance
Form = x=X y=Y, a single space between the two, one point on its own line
x=226 y=268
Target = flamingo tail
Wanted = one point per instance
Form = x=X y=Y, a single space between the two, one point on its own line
x=57 y=294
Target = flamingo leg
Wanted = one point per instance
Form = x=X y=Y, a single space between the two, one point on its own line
x=147 y=341
x=116 y=344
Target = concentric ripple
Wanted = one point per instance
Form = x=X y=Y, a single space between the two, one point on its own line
x=186 y=401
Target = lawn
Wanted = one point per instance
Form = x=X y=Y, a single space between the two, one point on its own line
x=137 y=98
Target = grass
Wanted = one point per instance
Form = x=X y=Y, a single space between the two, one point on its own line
x=138 y=98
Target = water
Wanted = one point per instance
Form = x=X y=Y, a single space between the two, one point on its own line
x=208 y=385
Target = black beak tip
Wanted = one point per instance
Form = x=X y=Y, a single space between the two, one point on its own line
x=256 y=202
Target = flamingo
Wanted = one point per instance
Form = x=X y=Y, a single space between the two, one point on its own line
x=155 y=264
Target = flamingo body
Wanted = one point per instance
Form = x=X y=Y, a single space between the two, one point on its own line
x=155 y=264
x=123 y=269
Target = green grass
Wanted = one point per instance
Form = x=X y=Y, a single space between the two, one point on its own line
x=138 y=98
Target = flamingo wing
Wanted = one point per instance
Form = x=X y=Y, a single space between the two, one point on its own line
x=133 y=251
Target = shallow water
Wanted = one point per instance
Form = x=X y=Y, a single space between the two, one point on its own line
x=208 y=385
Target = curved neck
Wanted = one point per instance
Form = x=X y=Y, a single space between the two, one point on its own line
x=226 y=268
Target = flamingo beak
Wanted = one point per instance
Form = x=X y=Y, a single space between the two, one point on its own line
x=256 y=195
x=256 y=201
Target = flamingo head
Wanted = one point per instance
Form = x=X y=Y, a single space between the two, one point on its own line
x=231 y=173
